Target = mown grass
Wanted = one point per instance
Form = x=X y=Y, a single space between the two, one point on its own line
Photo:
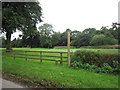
x=61 y=75
x=114 y=51
x=68 y=77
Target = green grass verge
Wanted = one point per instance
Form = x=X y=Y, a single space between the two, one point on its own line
x=61 y=75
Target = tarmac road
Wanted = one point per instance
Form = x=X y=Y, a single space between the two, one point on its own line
x=9 y=84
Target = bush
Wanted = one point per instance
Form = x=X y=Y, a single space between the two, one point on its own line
x=106 y=68
x=97 y=62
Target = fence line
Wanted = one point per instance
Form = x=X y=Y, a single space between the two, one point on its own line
x=24 y=55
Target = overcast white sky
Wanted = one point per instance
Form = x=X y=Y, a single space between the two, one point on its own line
x=78 y=14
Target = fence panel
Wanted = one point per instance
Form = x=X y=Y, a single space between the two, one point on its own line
x=40 y=55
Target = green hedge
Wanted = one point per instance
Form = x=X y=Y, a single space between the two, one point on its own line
x=103 y=47
x=98 y=61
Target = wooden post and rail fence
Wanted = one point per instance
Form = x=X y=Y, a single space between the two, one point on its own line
x=60 y=57
x=24 y=54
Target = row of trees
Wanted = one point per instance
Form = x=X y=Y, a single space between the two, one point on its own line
x=46 y=37
x=24 y=16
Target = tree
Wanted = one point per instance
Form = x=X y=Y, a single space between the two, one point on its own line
x=19 y=16
x=46 y=31
x=101 y=39
x=89 y=31
x=117 y=30
x=83 y=38
x=31 y=39
x=16 y=43
x=2 y=42
x=56 y=39
x=106 y=32
x=63 y=38
x=114 y=33
x=74 y=34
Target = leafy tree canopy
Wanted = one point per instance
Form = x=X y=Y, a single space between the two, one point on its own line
x=21 y=16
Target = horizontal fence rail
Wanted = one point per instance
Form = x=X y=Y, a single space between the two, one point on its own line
x=40 y=55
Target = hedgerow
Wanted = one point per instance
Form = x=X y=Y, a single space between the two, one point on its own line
x=103 y=47
x=96 y=62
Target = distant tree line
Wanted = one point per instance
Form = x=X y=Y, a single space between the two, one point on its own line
x=24 y=16
x=46 y=37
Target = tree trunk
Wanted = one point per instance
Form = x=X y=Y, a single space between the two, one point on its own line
x=8 y=41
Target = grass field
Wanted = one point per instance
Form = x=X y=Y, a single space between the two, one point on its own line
x=116 y=51
x=61 y=75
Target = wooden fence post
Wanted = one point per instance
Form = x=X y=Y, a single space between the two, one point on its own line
x=56 y=62
x=14 y=55
x=26 y=54
x=60 y=57
x=41 y=56
x=68 y=45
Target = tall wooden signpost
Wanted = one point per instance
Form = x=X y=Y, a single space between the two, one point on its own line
x=68 y=45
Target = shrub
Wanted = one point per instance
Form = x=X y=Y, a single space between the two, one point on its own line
x=106 y=68
x=97 y=62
